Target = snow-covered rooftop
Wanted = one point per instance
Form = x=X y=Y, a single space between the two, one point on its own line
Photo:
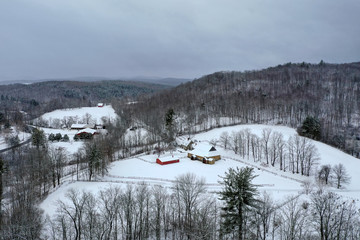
x=87 y=130
x=204 y=150
x=78 y=125
x=167 y=158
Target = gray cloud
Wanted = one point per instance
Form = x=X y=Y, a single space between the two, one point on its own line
x=115 y=38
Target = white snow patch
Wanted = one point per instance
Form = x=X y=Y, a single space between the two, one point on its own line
x=97 y=113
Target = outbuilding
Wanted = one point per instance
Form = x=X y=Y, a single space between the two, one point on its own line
x=167 y=160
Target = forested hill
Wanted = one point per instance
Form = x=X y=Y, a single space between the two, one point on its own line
x=41 y=97
x=286 y=94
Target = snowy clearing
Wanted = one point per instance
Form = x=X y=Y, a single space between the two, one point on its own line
x=97 y=114
x=81 y=115
x=278 y=184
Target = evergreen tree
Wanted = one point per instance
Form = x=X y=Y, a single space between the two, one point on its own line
x=7 y=124
x=94 y=159
x=66 y=138
x=310 y=128
x=169 y=118
x=239 y=196
x=58 y=137
x=51 y=137
x=38 y=138
x=2 y=118
x=169 y=124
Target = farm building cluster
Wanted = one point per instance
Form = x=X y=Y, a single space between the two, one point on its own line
x=200 y=151
x=88 y=129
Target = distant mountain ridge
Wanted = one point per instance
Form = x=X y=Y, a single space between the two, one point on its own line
x=40 y=97
x=169 y=81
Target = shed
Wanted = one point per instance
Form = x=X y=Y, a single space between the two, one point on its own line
x=100 y=104
x=167 y=160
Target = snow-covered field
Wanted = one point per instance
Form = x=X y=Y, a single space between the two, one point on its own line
x=96 y=113
x=279 y=184
x=71 y=147
x=79 y=114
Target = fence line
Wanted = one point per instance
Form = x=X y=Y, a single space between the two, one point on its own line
x=264 y=169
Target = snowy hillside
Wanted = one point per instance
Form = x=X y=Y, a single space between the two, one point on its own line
x=93 y=115
x=11 y=133
x=142 y=168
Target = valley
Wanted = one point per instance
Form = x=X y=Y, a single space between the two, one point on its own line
x=117 y=151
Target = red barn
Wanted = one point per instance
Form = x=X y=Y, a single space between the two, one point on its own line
x=87 y=130
x=167 y=160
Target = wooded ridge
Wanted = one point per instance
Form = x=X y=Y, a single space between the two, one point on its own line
x=286 y=95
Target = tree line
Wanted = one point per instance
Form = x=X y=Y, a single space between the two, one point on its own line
x=297 y=154
x=30 y=172
x=189 y=211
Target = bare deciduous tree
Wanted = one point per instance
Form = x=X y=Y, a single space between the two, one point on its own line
x=294 y=221
x=72 y=214
x=263 y=215
x=332 y=216
x=188 y=189
x=340 y=175
x=58 y=159
x=324 y=174
x=266 y=133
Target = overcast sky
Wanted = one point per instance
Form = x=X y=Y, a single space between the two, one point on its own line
x=171 y=38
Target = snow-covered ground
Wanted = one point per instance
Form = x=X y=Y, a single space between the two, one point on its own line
x=277 y=183
x=3 y=143
x=71 y=146
x=13 y=131
x=95 y=114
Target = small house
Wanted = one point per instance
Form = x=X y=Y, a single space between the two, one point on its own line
x=185 y=144
x=100 y=104
x=167 y=160
x=204 y=153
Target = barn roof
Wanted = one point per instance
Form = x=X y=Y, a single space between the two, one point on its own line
x=168 y=158
x=87 y=130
